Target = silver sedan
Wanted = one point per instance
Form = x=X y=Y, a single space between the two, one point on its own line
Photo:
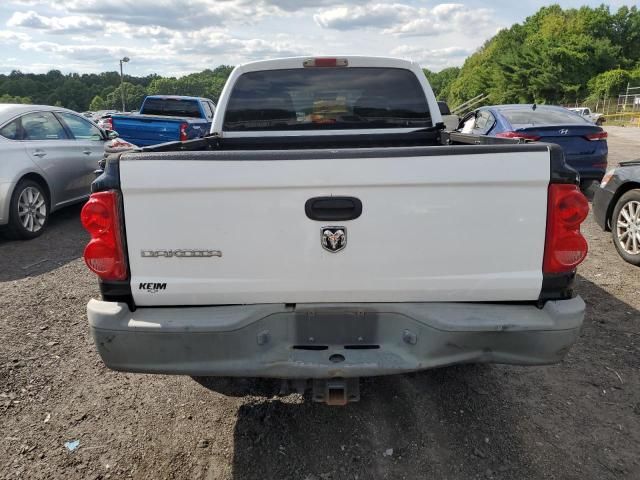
x=48 y=156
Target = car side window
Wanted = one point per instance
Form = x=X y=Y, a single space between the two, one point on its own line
x=42 y=126
x=491 y=121
x=484 y=122
x=80 y=128
x=467 y=123
x=12 y=130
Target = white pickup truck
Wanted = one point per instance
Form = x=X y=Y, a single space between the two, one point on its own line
x=328 y=229
x=587 y=114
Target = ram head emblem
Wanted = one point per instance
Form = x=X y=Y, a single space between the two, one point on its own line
x=333 y=239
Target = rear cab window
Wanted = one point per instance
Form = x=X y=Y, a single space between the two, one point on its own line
x=327 y=99
x=542 y=116
x=171 y=107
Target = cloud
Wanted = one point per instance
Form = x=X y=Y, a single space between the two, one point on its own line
x=9 y=37
x=57 y=25
x=437 y=59
x=175 y=38
x=443 y=18
x=185 y=53
x=375 y=15
x=216 y=42
x=404 y=20
x=172 y=14
x=295 y=5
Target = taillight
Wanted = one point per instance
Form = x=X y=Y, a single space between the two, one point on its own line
x=607 y=177
x=524 y=136
x=594 y=137
x=565 y=247
x=325 y=62
x=104 y=255
x=108 y=123
x=183 y=131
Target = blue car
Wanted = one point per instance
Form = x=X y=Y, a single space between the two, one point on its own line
x=584 y=144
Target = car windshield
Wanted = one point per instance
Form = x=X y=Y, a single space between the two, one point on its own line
x=327 y=98
x=542 y=116
x=172 y=107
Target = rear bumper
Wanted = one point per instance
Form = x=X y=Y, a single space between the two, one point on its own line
x=259 y=340
x=600 y=205
x=590 y=167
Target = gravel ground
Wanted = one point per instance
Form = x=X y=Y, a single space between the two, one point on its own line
x=576 y=420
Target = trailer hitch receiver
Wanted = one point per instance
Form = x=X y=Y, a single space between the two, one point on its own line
x=336 y=391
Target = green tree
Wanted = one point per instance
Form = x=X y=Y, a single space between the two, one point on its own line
x=6 y=98
x=98 y=103
x=133 y=95
x=208 y=83
x=551 y=57
x=611 y=82
x=441 y=81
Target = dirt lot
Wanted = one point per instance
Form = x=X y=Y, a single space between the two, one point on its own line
x=576 y=420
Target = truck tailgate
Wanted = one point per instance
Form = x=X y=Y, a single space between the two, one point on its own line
x=437 y=224
x=145 y=130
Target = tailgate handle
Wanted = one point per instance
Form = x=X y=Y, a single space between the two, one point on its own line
x=333 y=208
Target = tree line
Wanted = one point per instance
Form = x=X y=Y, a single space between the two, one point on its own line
x=103 y=91
x=559 y=56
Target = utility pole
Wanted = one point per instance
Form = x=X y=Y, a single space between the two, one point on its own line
x=122 y=60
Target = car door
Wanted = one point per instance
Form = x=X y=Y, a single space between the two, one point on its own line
x=88 y=146
x=50 y=147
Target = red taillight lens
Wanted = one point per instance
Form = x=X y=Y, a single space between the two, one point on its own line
x=594 y=137
x=108 y=123
x=104 y=255
x=524 y=136
x=183 y=131
x=565 y=247
x=325 y=62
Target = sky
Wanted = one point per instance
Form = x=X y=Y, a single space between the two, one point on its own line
x=177 y=37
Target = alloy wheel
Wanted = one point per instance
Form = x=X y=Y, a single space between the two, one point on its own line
x=32 y=209
x=628 y=227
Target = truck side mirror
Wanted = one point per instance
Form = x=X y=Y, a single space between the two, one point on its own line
x=111 y=134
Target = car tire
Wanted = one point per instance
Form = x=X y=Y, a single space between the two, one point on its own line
x=621 y=223
x=28 y=210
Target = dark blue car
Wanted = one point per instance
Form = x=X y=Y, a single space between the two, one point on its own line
x=584 y=144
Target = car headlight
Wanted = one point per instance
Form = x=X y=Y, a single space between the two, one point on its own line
x=607 y=177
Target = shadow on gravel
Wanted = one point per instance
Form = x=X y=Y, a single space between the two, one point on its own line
x=63 y=241
x=610 y=324
x=446 y=423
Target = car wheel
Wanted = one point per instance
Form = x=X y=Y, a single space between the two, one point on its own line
x=625 y=226
x=28 y=211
